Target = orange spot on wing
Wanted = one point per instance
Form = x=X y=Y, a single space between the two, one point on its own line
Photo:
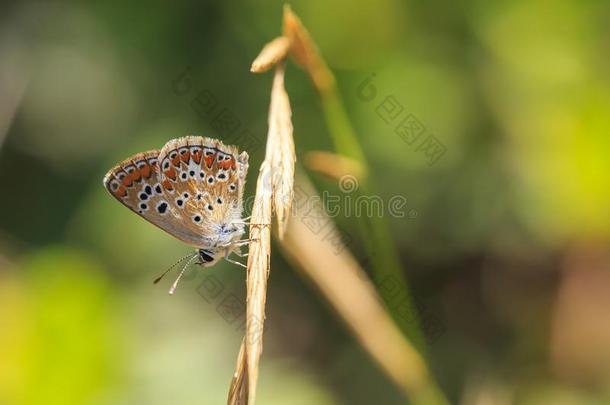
x=225 y=164
x=167 y=185
x=197 y=157
x=120 y=192
x=209 y=160
x=127 y=181
x=185 y=156
x=176 y=160
x=171 y=173
x=135 y=175
x=146 y=171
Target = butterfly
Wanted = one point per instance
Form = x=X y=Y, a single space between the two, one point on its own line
x=192 y=188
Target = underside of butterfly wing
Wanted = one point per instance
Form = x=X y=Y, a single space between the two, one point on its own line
x=203 y=180
x=136 y=184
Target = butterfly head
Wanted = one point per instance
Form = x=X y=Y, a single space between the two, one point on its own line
x=208 y=257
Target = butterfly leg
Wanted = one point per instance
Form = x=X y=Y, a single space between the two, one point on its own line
x=239 y=242
x=246 y=221
x=235 y=262
x=240 y=254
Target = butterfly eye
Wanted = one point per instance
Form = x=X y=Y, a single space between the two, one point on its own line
x=166 y=165
x=143 y=196
x=232 y=187
x=183 y=176
x=195 y=149
x=179 y=202
x=209 y=207
x=219 y=200
x=210 y=179
x=196 y=218
x=158 y=189
x=208 y=152
x=227 y=157
x=141 y=164
x=143 y=206
x=173 y=155
x=206 y=256
x=222 y=176
x=183 y=151
x=114 y=185
x=121 y=175
x=186 y=196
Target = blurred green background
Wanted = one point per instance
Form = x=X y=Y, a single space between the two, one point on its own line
x=507 y=253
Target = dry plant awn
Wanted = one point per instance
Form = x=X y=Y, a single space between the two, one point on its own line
x=274 y=191
x=338 y=277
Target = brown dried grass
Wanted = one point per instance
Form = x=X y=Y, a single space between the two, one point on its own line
x=342 y=281
x=337 y=275
x=333 y=165
x=274 y=192
x=274 y=52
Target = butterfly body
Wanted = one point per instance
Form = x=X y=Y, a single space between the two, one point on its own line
x=192 y=188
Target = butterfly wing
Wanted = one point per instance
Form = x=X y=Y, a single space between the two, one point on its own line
x=204 y=181
x=135 y=182
x=190 y=188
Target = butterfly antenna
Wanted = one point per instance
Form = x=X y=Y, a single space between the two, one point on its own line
x=173 y=289
x=189 y=256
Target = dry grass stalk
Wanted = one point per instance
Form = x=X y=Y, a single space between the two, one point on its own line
x=238 y=390
x=258 y=273
x=243 y=385
x=385 y=260
x=333 y=165
x=346 y=286
x=305 y=51
x=280 y=150
x=274 y=52
x=274 y=191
